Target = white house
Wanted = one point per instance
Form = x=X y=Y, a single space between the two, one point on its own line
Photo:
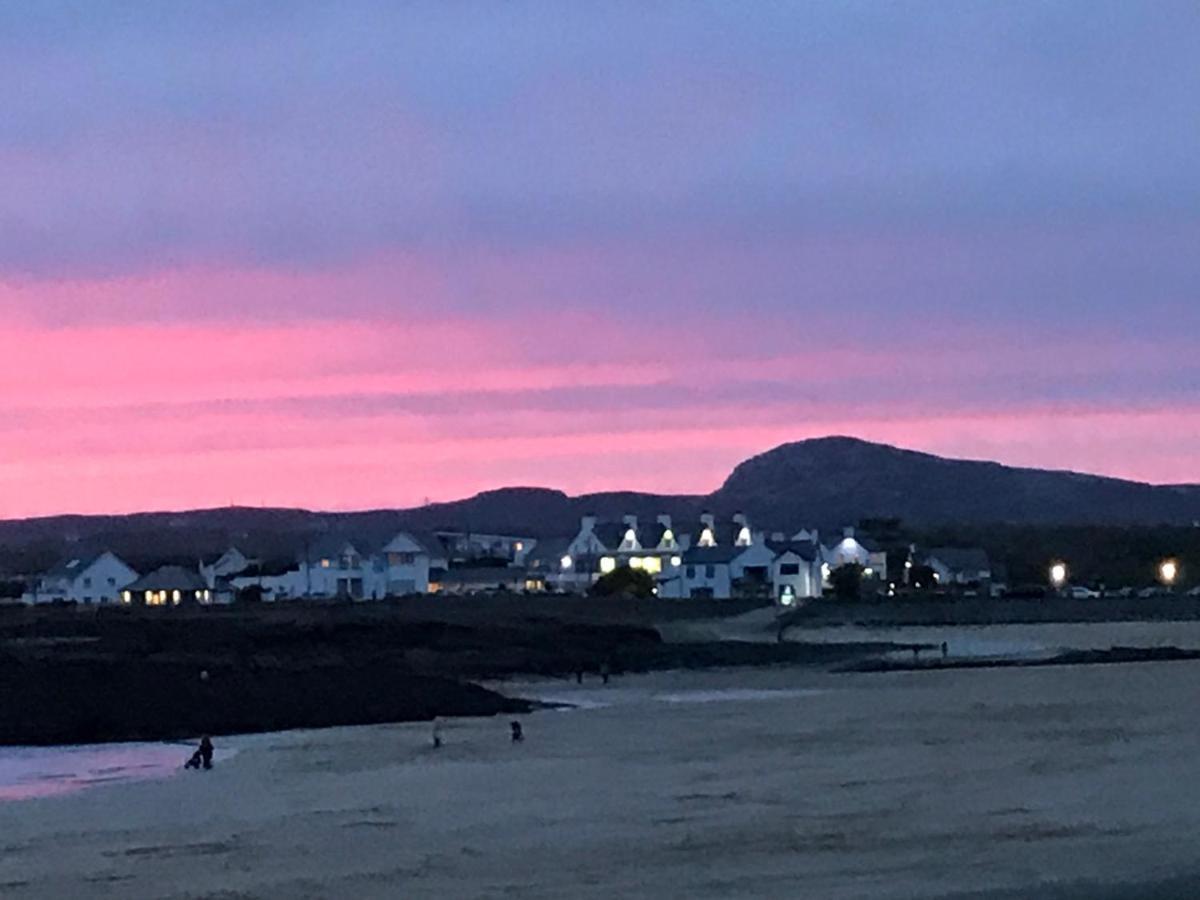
x=600 y=547
x=404 y=564
x=95 y=579
x=852 y=549
x=231 y=562
x=796 y=571
x=722 y=563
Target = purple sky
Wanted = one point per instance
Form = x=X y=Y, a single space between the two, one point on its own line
x=360 y=254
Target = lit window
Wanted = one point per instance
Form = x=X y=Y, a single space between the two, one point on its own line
x=635 y=562
x=676 y=560
x=744 y=539
x=324 y=564
x=707 y=539
x=518 y=546
x=176 y=597
x=197 y=595
x=668 y=537
x=127 y=597
x=207 y=596
x=565 y=562
x=607 y=564
x=868 y=572
x=630 y=536
x=652 y=564
x=149 y=598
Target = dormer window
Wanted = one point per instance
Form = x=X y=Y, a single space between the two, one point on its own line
x=668 y=538
x=744 y=538
x=707 y=539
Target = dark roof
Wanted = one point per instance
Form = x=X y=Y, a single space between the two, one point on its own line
x=169 y=578
x=804 y=549
x=330 y=546
x=72 y=566
x=610 y=534
x=547 y=553
x=433 y=543
x=712 y=555
x=961 y=559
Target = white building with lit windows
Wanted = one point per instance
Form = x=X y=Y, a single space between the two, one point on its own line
x=852 y=549
x=168 y=586
x=601 y=547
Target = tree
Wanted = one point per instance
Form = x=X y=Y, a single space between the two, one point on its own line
x=922 y=578
x=846 y=581
x=624 y=580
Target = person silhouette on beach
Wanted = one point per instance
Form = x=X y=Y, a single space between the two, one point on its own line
x=203 y=756
x=437 y=734
x=518 y=734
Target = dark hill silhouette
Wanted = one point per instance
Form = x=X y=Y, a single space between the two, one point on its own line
x=842 y=479
x=824 y=482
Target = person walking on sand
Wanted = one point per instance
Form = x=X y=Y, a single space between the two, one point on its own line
x=518 y=734
x=437 y=733
x=604 y=672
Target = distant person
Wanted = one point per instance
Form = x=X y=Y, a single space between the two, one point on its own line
x=518 y=734
x=579 y=676
x=203 y=756
x=604 y=672
x=437 y=734
x=945 y=649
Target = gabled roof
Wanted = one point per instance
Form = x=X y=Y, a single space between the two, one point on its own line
x=806 y=550
x=610 y=534
x=431 y=542
x=169 y=578
x=404 y=542
x=331 y=546
x=74 y=566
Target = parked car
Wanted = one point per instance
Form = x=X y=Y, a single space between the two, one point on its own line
x=1080 y=592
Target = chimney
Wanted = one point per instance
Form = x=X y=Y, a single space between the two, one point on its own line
x=587 y=524
x=630 y=522
x=665 y=521
x=707 y=520
x=739 y=519
x=848 y=532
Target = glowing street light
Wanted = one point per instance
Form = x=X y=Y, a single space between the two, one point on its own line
x=1168 y=572
x=1058 y=574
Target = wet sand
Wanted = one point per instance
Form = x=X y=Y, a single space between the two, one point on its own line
x=764 y=783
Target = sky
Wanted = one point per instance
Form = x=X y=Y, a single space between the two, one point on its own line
x=370 y=254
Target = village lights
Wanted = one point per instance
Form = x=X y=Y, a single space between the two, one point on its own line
x=1058 y=574
x=1168 y=572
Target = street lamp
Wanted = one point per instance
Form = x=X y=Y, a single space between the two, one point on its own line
x=1058 y=575
x=1168 y=572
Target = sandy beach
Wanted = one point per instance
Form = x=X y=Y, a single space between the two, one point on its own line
x=767 y=783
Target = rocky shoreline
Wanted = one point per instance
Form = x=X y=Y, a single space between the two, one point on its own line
x=122 y=675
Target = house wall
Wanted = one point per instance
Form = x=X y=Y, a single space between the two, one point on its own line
x=100 y=582
x=711 y=579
